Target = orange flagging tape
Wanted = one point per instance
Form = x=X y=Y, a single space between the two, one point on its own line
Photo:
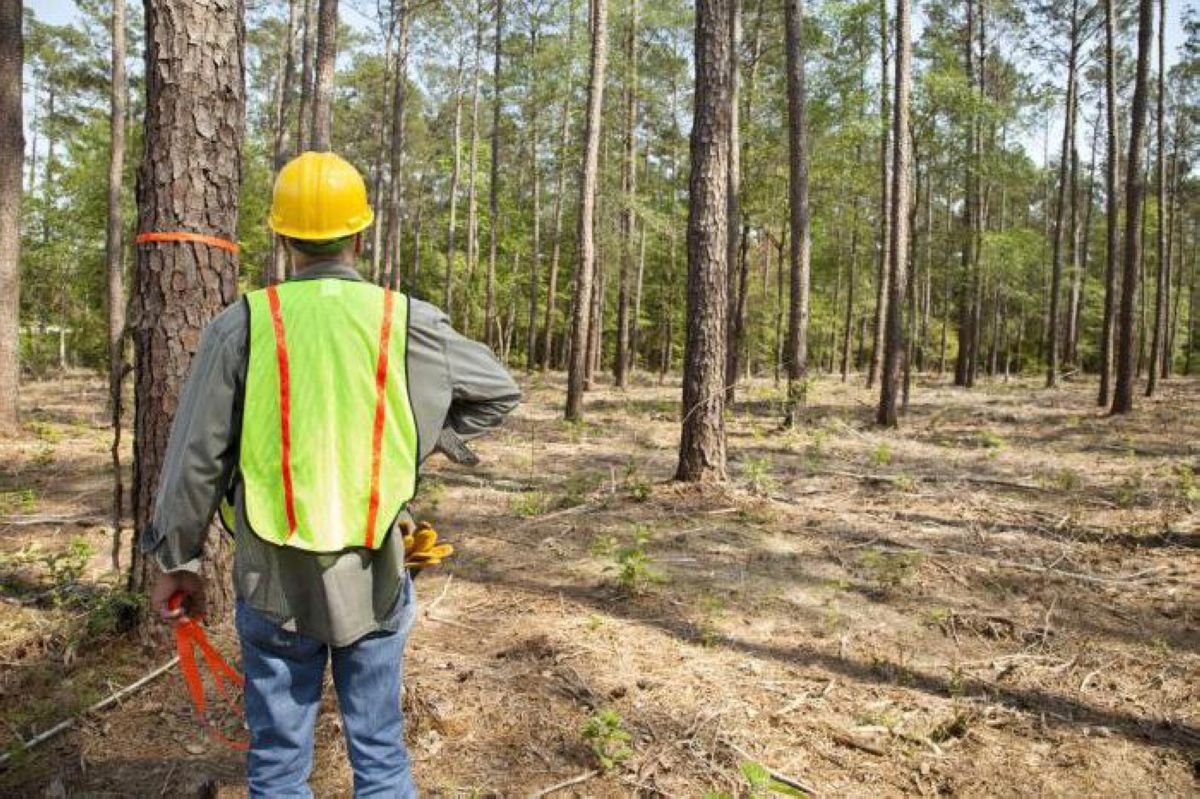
x=189 y=636
x=211 y=241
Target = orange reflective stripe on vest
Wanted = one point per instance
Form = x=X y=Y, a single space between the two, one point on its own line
x=285 y=407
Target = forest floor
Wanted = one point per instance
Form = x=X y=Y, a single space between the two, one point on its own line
x=1002 y=598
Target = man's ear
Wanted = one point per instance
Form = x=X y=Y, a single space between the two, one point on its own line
x=358 y=244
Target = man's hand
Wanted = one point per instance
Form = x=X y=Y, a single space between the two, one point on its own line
x=190 y=584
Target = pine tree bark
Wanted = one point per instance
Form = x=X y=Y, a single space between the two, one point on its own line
x=629 y=194
x=276 y=271
x=322 y=119
x=1134 y=189
x=489 y=308
x=1164 y=265
x=547 y=347
x=113 y=251
x=581 y=311
x=535 y=255
x=455 y=176
x=392 y=245
x=382 y=151
x=733 y=224
x=194 y=60
x=800 y=253
x=893 y=354
x=702 y=439
x=12 y=149
x=882 y=272
x=1053 y=337
x=1112 y=243
x=308 y=55
x=473 y=175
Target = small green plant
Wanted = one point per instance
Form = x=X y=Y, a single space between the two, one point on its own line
x=604 y=546
x=815 y=452
x=759 y=475
x=711 y=608
x=889 y=569
x=607 y=738
x=763 y=784
x=881 y=455
x=528 y=503
x=1130 y=491
x=639 y=488
x=20 y=501
x=1068 y=480
x=634 y=571
x=992 y=441
x=45 y=432
x=1189 y=488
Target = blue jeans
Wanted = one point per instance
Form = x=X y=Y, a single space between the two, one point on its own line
x=285 y=672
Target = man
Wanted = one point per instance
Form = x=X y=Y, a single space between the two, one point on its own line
x=310 y=406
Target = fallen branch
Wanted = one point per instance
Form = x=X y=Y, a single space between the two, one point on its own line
x=66 y=724
x=471 y=481
x=584 y=777
x=441 y=596
x=791 y=782
x=30 y=521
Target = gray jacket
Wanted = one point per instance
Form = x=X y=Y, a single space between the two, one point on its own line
x=336 y=598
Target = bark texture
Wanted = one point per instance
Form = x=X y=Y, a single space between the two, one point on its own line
x=581 y=308
x=12 y=150
x=113 y=251
x=1134 y=191
x=702 y=443
x=1164 y=265
x=322 y=119
x=189 y=180
x=1112 y=202
x=800 y=253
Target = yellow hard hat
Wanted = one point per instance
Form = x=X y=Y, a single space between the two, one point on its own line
x=319 y=196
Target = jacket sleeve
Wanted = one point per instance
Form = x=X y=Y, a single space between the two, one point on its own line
x=482 y=392
x=202 y=449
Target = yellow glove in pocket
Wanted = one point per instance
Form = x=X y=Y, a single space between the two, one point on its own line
x=421 y=548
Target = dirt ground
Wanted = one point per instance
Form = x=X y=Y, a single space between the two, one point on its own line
x=1002 y=598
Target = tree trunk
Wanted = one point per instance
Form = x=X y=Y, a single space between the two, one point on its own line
x=898 y=253
x=1164 y=265
x=733 y=225
x=1085 y=249
x=12 y=150
x=382 y=151
x=628 y=197
x=1053 y=348
x=1174 y=244
x=1134 y=188
x=116 y=266
x=635 y=335
x=963 y=366
x=322 y=120
x=391 y=247
x=559 y=203
x=581 y=311
x=850 y=280
x=702 y=439
x=489 y=308
x=308 y=56
x=473 y=175
x=1112 y=244
x=798 y=215
x=535 y=256
x=277 y=270
x=882 y=272
x=193 y=60
x=455 y=173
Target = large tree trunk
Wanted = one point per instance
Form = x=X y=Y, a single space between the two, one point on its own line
x=882 y=273
x=800 y=253
x=12 y=150
x=1134 y=189
x=308 y=55
x=898 y=248
x=1053 y=344
x=193 y=60
x=535 y=255
x=455 y=175
x=581 y=308
x=276 y=271
x=964 y=363
x=489 y=308
x=322 y=120
x=702 y=439
x=115 y=265
x=1164 y=265
x=381 y=157
x=1112 y=243
x=391 y=247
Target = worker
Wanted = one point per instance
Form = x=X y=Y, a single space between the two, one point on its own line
x=310 y=407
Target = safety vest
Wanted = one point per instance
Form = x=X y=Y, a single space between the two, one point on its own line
x=329 y=449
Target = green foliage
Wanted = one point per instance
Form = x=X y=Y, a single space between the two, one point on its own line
x=634 y=570
x=759 y=474
x=888 y=569
x=882 y=454
x=608 y=739
x=23 y=500
x=763 y=784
